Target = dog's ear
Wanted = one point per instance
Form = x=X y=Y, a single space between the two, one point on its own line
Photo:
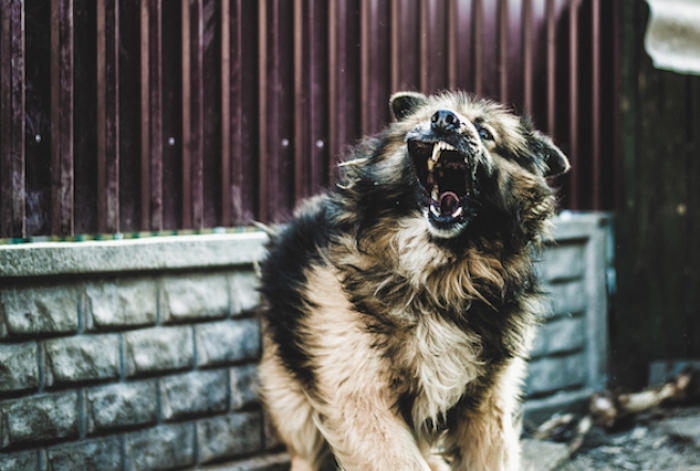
x=555 y=162
x=549 y=158
x=405 y=103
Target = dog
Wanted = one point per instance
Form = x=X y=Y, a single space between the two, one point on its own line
x=398 y=309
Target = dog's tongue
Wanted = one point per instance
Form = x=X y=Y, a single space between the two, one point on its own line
x=448 y=203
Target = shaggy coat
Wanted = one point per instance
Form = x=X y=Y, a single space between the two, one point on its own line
x=399 y=308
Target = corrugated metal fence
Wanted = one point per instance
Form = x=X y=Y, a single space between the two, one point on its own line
x=128 y=115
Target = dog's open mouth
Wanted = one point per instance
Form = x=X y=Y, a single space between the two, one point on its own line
x=445 y=179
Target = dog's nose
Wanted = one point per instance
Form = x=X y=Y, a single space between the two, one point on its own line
x=445 y=120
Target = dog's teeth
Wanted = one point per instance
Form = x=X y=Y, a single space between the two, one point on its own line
x=435 y=193
x=457 y=213
x=435 y=155
x=434 y=210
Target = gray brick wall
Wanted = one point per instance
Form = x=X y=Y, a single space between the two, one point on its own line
x=146 y=369
x=141 y=355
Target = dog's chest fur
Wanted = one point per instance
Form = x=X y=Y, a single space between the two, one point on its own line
x=436 y=362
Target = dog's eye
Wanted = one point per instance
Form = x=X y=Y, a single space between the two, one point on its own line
x=485 y=135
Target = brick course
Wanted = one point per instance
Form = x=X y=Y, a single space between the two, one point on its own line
x=187 y=297
x=103 y=455
x=19 y=367
x=158 y=349
x=27 y=310
x=38 y=418
x=225 y=342
x=230 y=435
x=119 y=303
x=82 y=358
x=195 y=393
x=160 y=448
x=21 y=461
x=121 y=405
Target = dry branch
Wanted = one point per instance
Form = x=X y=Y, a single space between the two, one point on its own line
x=609 y=408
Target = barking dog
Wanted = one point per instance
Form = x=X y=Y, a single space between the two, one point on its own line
x=399 y=307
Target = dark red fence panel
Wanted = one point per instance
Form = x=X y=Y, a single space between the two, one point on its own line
x=153 y=115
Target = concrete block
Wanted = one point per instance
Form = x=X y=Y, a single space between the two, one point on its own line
x=275 y=462
x=565 y=298
x=38 y=418
x=160 y=448
x=121 y=405
x=99 y=455
x=563 y=262
x=158 y=349
x=21 y=461
x=244 y=291
x=228 y=341
x=558 y=336
x=544 y=456
x=121 y=303
x=81 y=358
x=686 y=429
x=551 y=374
x=19 y=367
x=26 y=310
x=195 y=393
x=195 y=296
x=229 y=436
x=244 y=381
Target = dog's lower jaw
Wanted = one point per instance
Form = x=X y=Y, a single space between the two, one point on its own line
x=453 y=230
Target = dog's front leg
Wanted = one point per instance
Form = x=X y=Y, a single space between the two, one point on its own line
x=484 y=441
x=365 y=434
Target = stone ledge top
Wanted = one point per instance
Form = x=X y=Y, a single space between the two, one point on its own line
x=149 y=254
x=187 y=251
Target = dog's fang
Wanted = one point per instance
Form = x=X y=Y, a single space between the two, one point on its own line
x=436 y=153
x=435 y=194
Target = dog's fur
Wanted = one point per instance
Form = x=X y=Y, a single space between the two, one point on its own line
x=397 y=317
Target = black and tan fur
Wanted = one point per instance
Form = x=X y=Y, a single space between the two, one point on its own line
x=392 y=329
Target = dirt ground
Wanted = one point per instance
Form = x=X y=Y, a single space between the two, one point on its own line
x=660 y=440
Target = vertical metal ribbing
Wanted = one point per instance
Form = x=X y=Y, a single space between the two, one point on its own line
x=263 y=130
x=452 y=28
x=395 y=45
x=62 y=165
x=477 y=28
x=12 y=119
x=145 y=118
x=573 y=105
x=155 y=45
x=192 y=115
x=365 y=44
x=317 y=84
x=151 y=116
x=503 y=18
x=186 y=114
x=528 y=79
x=241 y=112
x=107 y=116
x=300 y=128
x=226 y=113
x=551 y=27
x=595 y=102
x=424 y=32
x=333 y=51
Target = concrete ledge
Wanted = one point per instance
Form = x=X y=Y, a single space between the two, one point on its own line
x=133 y=255
x=570 y=225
